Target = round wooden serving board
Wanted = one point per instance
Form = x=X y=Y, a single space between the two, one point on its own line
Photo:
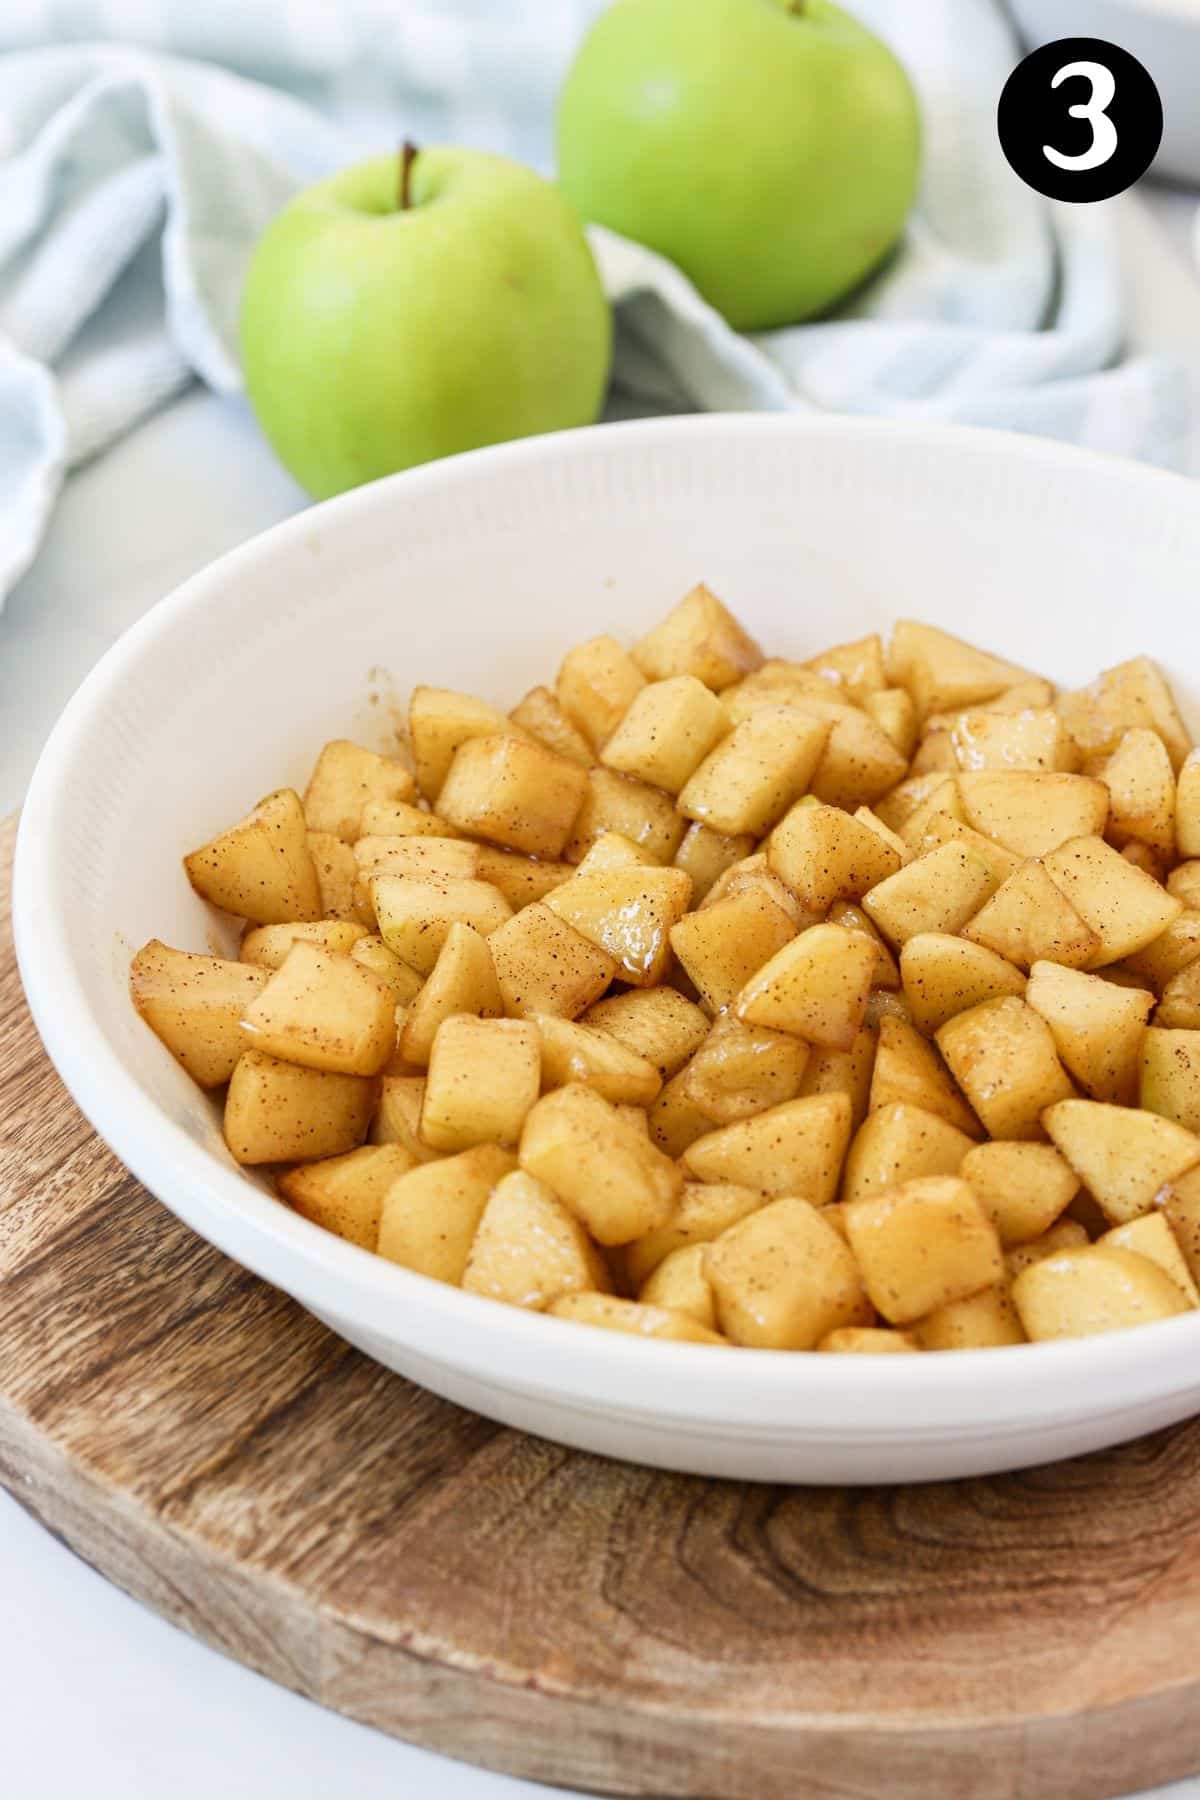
x=224 y=1458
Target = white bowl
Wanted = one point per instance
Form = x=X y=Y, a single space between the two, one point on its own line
x=1164 y=35
x=478 y=573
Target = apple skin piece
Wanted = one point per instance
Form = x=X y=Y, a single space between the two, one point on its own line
x=772 y=152
x=376 y=336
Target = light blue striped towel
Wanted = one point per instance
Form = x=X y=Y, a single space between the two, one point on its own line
x=133 y=182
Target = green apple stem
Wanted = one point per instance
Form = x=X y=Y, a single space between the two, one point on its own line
x=408 y=156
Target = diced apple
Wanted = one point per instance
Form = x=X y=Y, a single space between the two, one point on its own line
x=796 y=1148
x=1122 y=1156
x=261 y=869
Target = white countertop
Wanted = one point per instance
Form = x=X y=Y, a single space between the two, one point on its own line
x=97 y=1695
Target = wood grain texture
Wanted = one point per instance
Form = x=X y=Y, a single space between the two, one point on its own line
x=209 y=1447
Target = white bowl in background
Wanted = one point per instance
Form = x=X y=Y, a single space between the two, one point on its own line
x=1164 y=35
x=479 y=573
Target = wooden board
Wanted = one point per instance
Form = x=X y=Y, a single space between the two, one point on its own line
x=218 y=1454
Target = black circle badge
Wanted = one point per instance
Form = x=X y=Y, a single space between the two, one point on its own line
x=1080 y=119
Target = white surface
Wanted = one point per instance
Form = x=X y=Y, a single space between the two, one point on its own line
x=148 y=1708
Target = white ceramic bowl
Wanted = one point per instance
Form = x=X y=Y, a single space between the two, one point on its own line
x=1164 y=35
x=479 y=573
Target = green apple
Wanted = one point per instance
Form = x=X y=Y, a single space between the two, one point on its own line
x=770 y=148
x=417 y=305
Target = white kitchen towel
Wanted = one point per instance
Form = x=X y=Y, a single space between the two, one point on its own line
x=133 y=182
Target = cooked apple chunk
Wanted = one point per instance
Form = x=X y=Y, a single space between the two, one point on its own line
x=1023 y=1188
x=514 y=793
x=705 y=855
x=484 y=1076
x=1179 y=1007
x=1097 y=1028
x=859 y=763
x=347 y=778
x=1032 y=813
x=399 y=818
x=261 y=869
x=939 y=891
x=415 y=914
x=1121 y=1156
x=440 y=722
x=337 y=879
x=893 y=711
x=373 y=954
x=609 y=851
x=741 y=1070
x=1151 y=1236
x=1126 y=908
x=705 y=1210
x=901 y=1143
x=658 y=1023
x=627 y=913
x=609 y=1313
x=1003 y=1057
x=609 y=1175
x=574 y=1052
x=423 y=858
x=541 y=714
x=854 y=670
x=984 y=1321
x=1141 y=787
x=1034 y=739
x=632 y=809
x=344 y=1194
x=463 y=980
x=674 y=1120
x=782 y=1279
x=1029 y=919
x=544 y=965
x=941 y=672
x=941 y=827
x=853 y=918
x=267 y=946
x=751 y=778
x=1180 y=1204
x=680 y=1284
x=1169 y=1077
x=323 y=1012
x=1066 y=1234
x=397 y=1117
x=195 y=1005
x=667 y=732
x=909 y=1072
x=430 y=1215
x=1080 y=1292
x=529 y=1249
x=824 y=855
x=842 y=1072
x=1187 y=806
x=1123 y=699
x=923 y=1245
x=943 y=975
x=1167 y=955
x=815 y=987
x=597 y=684
x=280 y=1112
x=796 y=1148
x=521 y=879
x=698 y=637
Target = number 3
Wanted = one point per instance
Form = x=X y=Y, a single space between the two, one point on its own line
x=1094 y=110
